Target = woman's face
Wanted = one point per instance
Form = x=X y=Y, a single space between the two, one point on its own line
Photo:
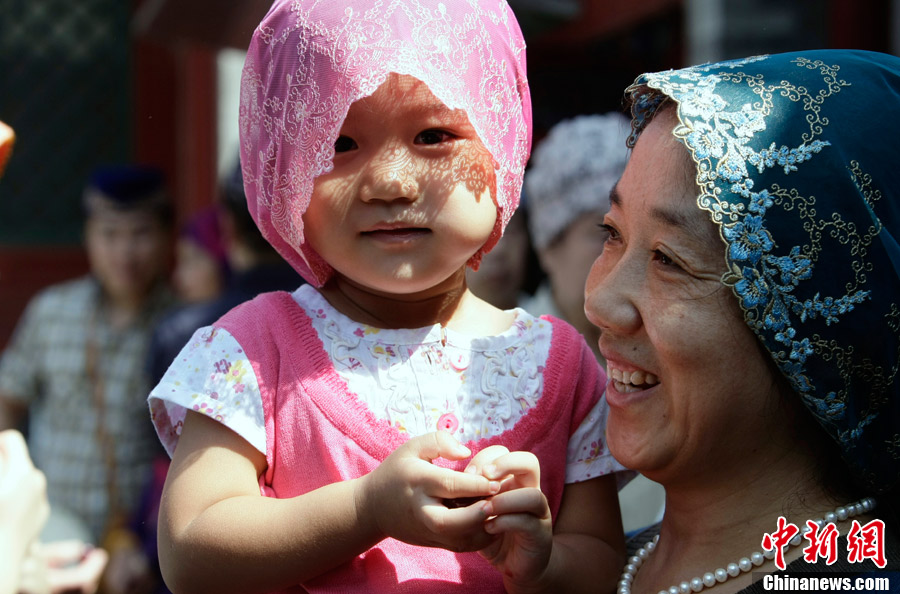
x=688 y=381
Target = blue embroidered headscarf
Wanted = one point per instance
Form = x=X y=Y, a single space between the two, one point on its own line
x=798 y=164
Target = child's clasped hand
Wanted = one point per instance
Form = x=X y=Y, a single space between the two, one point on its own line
x=406 y=496
x=506 y=518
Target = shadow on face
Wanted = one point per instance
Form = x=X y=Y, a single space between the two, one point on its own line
x=408 y=172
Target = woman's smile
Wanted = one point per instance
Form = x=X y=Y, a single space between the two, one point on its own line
x=632 y=381
x=627 y=387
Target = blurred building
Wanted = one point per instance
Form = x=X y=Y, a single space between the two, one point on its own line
x=100 y=81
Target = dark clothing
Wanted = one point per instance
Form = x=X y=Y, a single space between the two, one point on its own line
x=178 y=325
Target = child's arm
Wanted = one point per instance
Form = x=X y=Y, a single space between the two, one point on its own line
x=219 y=534
x=583 y=552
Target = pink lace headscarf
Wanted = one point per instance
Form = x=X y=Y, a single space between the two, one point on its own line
x=310 y=59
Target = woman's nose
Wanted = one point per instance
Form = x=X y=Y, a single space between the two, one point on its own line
x=609 y=295
x=391 y=175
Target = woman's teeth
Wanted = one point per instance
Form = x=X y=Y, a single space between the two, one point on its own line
x=632 y=381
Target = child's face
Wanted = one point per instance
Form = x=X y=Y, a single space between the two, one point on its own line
x=410 y=198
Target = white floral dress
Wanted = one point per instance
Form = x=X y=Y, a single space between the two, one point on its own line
x=419 y=380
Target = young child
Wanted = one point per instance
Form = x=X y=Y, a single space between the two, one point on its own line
x=319 y=434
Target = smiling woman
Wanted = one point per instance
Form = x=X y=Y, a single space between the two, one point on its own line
x=749 y=241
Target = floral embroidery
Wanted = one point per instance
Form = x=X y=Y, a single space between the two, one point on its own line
x=236 y=372
x=592 y=453
x=769 y=137
x=448 y=422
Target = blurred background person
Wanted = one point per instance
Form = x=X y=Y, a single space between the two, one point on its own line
x=26 y=566
x=76 y=361
x=509 y=273
x=254 y=267
x=572 y=171
x=201 y=264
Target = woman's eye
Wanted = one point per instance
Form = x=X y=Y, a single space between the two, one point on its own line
x=607 y=232
x=664 y=259
x=433 y=137
x=344 y=144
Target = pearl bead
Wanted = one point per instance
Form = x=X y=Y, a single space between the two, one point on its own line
x=623 y=583
x=696 y=584
x=841 y=513
x=635 y=560
x=757 y=559
x=709 y=580
x=769 y=554
x=624 y=591
x=733 y=569
x=684 y=588
x=796 y=540
x=674 y=590
x=744 y=564
x=643 y=553
x=831 y=517
x=721 y=575
x=631 y=569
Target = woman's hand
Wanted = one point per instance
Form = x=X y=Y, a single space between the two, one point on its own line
x=406 y=496
x=521 y=521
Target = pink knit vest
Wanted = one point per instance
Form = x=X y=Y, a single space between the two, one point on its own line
x=318 y=432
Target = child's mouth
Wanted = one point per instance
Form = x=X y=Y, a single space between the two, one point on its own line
x=398 y=235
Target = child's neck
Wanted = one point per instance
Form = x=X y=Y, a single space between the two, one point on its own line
x=450 y=304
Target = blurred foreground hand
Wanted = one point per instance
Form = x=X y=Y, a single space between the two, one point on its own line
x=64 y=567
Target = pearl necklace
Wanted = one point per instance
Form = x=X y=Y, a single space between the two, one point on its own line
x=745 y=564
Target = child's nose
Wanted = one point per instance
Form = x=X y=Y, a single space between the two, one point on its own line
x=392 y=175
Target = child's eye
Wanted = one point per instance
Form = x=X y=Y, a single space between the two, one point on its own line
x=344 y=144
x=433 y=137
